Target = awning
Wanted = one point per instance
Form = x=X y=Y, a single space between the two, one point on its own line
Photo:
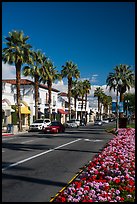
x=7 y=108
x=62 y=111
x=25 y=110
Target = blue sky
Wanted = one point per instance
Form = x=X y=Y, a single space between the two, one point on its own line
x=96 y=36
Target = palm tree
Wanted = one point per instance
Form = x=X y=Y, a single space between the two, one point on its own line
x=127 y=76
x=87 y=87
x=49 y=75
x=76 y=91
x=106 y=101
x=17 y=52
x=98 y=93
x=70 y=70
x=34 y=70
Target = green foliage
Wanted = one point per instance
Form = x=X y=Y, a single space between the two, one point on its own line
x=14 y=115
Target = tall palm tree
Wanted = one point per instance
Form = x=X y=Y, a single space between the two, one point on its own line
x=106 y=101
x=76 y=92
x=48 y=75
x=127 y=76
x=82 y=92
x=34 y=70
x=17 y=52
x=70 y=70
x=98 y=93
x=87 y=87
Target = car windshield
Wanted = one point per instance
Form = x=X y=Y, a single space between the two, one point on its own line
x=54 y=123
x=38 y=121
x=71 y=121
x=47 y=121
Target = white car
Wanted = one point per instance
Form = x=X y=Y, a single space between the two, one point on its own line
x=71 y=123
x=105 y=120
x=39 y=124
x=97 y=122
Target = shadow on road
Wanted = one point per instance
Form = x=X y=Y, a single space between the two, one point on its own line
x=33 y=180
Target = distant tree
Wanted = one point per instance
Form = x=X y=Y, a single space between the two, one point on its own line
x=87 y=87
x=70 y=70
x=49 y=75
x=98 y=93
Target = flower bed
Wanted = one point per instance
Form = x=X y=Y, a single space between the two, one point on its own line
x=109 y=177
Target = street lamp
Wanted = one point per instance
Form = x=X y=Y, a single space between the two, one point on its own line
x=116 y=84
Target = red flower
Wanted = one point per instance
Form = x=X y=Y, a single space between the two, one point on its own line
x=131 y=182
x=117 y=181
x=122 y=199
x=86 y=188
x=63 y=199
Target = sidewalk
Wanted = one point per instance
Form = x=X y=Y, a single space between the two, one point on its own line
x=11 y=134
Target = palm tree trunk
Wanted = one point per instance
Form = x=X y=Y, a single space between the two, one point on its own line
x=49 y=101
x=36 y=96
x=75 y=104
x=69 y=96
x=98 y=106
x=18 y=67
x=121 y=115
x=82 y=108
x=86 y=108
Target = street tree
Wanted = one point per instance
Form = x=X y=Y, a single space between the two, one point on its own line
x=17 y=52
x=98 y=93
x=70 y=70
x=126 y=75
x=34 y=69
x=49 y=75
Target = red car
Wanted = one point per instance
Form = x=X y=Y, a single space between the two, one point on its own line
x=54 y=127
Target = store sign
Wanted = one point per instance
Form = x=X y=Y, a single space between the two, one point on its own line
x=113 y=107
x=120 y=107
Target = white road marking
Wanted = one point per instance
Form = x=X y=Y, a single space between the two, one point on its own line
x=88 y=140
x=27 y=141
x=37 y=155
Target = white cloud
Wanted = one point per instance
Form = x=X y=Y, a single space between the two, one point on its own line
x=9 y=72
x=93 y=78
x=60 y=86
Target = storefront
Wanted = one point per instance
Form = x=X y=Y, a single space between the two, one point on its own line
x=6 y=112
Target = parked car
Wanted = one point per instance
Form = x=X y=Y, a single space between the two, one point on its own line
x=72 y=123
x=54 y=127
x=83 y=122
x=98 y=122
x=77 y=121
x=39 y=124
x=105 y=120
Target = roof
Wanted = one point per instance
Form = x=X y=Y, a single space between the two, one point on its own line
x=27 y=82
x=63 y=94
x=46 y=87
x=22 y=81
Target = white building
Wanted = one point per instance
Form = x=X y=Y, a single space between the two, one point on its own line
x=59 y=103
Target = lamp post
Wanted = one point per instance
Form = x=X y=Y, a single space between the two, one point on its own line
x=116 y=84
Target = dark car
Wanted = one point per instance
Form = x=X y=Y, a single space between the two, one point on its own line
x=54 y=127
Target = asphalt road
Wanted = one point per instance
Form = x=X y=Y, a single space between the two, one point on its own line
x=36 y=166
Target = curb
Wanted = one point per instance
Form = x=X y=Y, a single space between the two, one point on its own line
x=54 y=197
x=7 y=134
x=11 y=134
